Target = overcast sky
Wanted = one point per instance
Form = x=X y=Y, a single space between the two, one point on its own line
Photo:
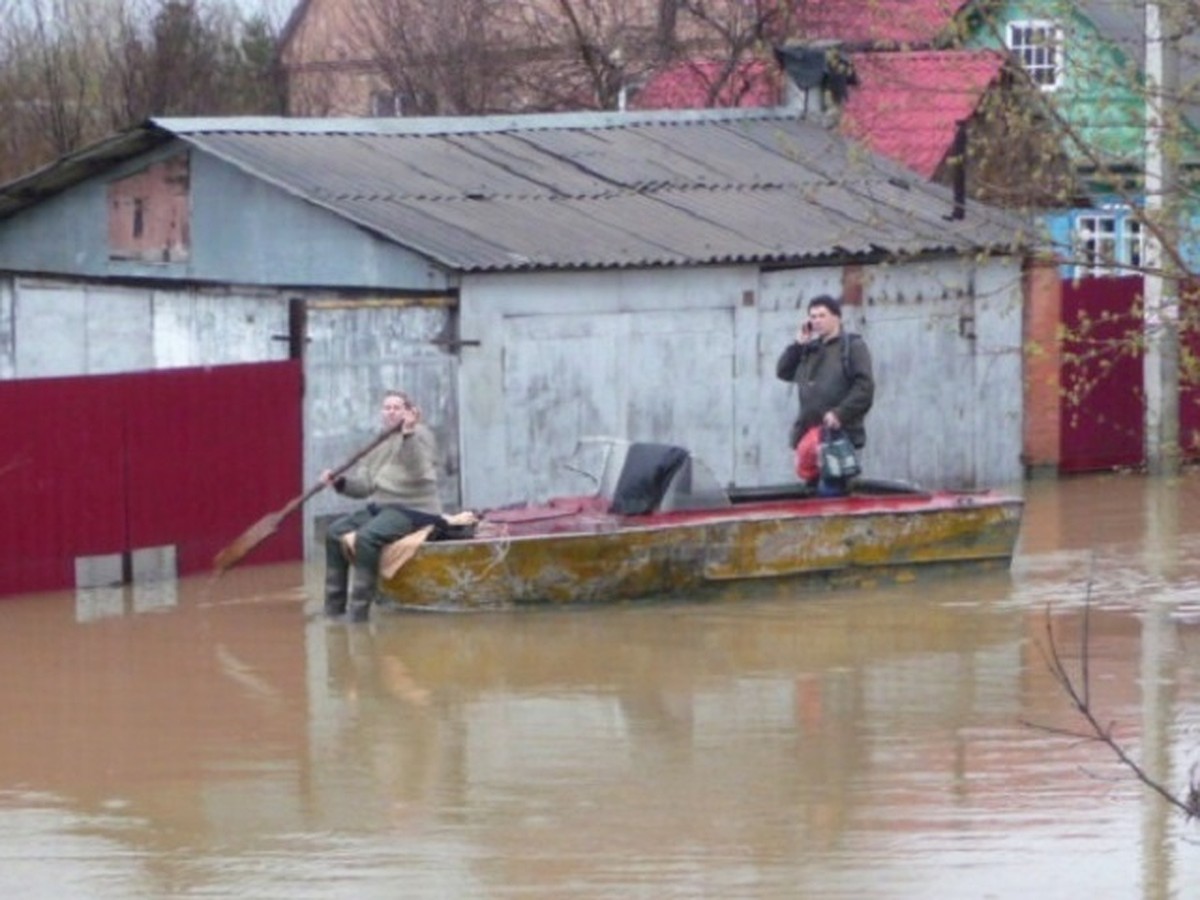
x=277 y=10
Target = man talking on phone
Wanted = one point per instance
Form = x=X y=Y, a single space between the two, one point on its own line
x=831 y=369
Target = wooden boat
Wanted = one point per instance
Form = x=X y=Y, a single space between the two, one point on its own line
x=658 y=524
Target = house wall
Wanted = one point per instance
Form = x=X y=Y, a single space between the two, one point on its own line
x=8 y=334
x=1098 y=97
x=329 y=56
x=325 y=62
x=1102 y=102
x=65 y=327
x=242 y=230
x=359 y=348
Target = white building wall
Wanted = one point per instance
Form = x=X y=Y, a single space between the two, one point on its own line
x=688 y=357
x=649 y=355
x=945 y=340
x=781 y=307
x=8 y=345
x=66 y=328
x=356 y=352
x=998 y=404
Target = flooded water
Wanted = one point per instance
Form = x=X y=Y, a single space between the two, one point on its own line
x=220 y=739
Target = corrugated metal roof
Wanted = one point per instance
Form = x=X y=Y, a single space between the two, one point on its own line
x=593 y=190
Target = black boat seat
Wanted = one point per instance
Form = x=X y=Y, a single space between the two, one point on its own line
x=645 y=476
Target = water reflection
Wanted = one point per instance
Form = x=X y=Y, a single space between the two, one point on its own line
x=219 y=737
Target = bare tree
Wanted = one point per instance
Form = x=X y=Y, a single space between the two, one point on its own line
x=1078 y=690
x=588 y=51
x=479 y=56
x=600 y=51
x=733 y=33
x=52 y=60
x=431 y=59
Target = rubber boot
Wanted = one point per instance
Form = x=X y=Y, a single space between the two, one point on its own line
x=362 y=595
x=335 y=592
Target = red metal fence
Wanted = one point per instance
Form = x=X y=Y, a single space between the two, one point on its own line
x=1103 y=404
x=102 y=465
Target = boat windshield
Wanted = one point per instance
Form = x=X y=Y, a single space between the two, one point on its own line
x=638 y=478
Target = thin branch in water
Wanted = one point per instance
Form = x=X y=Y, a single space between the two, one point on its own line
x=1080 y=695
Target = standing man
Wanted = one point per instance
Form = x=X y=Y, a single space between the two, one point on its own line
x=832 y=372
x=399 y=480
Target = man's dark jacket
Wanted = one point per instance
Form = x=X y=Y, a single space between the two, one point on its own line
x=830 y=376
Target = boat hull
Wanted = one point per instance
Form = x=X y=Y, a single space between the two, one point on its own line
x=587 y=558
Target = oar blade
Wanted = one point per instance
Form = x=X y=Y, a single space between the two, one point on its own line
x=246 y=541
x=266 y=526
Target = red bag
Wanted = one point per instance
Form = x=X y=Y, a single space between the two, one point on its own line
x=808 y=465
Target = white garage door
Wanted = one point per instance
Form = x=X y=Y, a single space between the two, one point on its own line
x=663 y=377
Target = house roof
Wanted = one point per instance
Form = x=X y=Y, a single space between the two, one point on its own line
x=907 y=106
x=288 y=33
x=686 y=85
x=899 y=23
x=585 y=190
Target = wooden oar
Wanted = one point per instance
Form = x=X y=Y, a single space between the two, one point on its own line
x=267 y=525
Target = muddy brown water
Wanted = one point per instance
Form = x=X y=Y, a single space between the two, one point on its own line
x=210 y=739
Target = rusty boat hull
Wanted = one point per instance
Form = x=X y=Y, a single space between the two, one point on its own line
x=574 y=551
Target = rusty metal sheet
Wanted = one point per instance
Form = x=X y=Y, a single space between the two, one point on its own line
x=804 y=545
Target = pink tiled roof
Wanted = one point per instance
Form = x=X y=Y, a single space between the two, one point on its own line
x=687 y=85
x=903 y=22
x=907 y=105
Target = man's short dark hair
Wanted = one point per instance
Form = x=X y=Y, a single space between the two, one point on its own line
x=828 y=302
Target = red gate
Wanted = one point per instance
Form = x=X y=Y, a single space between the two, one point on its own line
x=1103 y=409
x=1102 y=404
x=103 y=465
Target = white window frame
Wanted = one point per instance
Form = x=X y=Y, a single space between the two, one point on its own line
x=1133 y=235
x=1108 y=244
x=1038 y=45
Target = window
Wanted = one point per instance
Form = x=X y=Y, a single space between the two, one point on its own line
x=1038 y=45
x=387 y=103
x=149 y=213
x=1108 y=244
x=1135 y=247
